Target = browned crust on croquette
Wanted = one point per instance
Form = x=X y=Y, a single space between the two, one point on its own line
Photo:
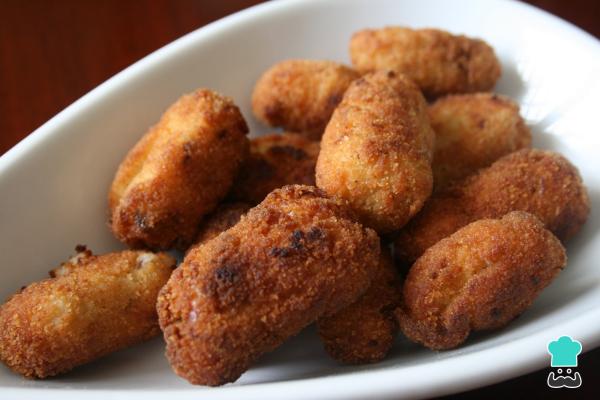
x=178 y=172
x=479 y=278
x=473 y=131
x=223 y=218
x=441 y=217
x=300 y=95
x=542 y=183
x=295 y=257
x=364 y=332
x=439 y=62
x=376 y=151
x=93 y=305
x=275 y=160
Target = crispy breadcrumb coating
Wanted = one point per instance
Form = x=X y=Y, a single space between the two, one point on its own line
x=90 y=307
x=364 y=332
x=542 y=183
x=178 y=172
x=223 y=218
x=539 y=182
x=440 y=63
x=275 y=160
x=442 y=215
x=472 y=131
x=479 y=278
x=300 y=95
x=376 y=151
x=295 y=257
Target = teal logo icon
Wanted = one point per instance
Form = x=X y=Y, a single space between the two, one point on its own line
x=563 y=352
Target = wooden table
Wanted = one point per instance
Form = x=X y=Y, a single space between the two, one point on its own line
x=53 y=52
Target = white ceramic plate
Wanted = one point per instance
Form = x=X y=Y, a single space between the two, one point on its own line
x=53 y=191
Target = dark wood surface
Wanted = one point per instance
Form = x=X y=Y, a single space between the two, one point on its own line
x=53 y=52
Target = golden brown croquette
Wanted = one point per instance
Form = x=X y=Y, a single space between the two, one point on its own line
x=178 y=172
x=275 y=160
x=295 y=257
x=223 y=218
x=90 y=307
x=481 y=277
x=471 y=132
x=440 y=63
x=539 y=182
x=376 y=151
x=300 y=95
x=364 y=332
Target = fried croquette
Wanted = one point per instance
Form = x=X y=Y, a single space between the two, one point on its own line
x=479 y=278
x=178 y=172
x=275 y=161
x=442 y=216
x=223 y=218
x=300 y=95
x=364 y=332
x=440 y=63
x=295 y=257
x=90 y=307
x=376 y=151
x=471 y=132
x=539 y=182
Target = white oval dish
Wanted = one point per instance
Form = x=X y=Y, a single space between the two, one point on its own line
x=54 y=186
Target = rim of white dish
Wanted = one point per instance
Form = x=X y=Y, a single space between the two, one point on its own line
x=479 y=368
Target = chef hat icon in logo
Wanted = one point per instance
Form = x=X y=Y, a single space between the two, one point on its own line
x=564 y=352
